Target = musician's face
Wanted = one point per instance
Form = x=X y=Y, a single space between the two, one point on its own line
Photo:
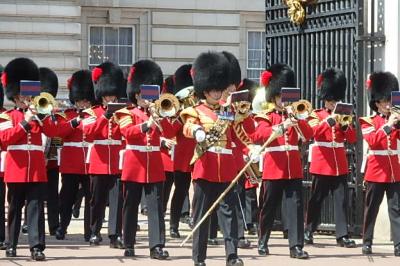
x=383 y=106
x=330 y=105
x=109 y=99
x=142 y=102
x=22 y=101
x=213 y=96
x=82 y=104
x=278 y=101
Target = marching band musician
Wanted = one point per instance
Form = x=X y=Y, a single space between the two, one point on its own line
x=3 y=244
x=382 y=173
x=182 y=152
x=282 y=173
x=213 y=169
x=103 y=156
x=25 y=170
x=329 y=175
x=49 y=84
x=73 y=167
x=142 y=165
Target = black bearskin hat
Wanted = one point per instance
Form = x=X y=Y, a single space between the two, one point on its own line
x=251 y=86
x=168 y=85
x=182 y=77
x=1 y=89
x=16 y=70
x=331 y=85
x=235 y=74
x=108 y=80
x=210 y=72
x=275 y=78
x=48 y=81
x=80 y=86
x=143 y=72
x=380 y=85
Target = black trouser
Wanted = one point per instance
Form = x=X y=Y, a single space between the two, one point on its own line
x=2 y=210
x=213 y=225
x=68 y=194
x=186 y=205
x=115 y=203
x=251 y=213
x=373 y=199
x=182 y=184
x=33 y=194
x=272 y=195
x=132 y=196
x=167 y=186
x=205 y=193
x=240 y=207
x=321 y=186
x=52 y=199
x=100 y=189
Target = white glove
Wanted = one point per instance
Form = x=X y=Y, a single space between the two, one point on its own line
x=199 y=134
x=254 y=153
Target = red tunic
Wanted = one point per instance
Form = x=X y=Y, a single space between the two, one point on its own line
x=167 y=159
x=107 y=142
x=142 y=161
x=24 y=161
x=2 y=151
x=75 y=145
x=282 y=159
x=328 y=153
x=184 y=149
x=217 y=164
x=382 y=160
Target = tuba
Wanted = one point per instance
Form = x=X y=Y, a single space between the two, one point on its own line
x=44 y=103
x=302 y=109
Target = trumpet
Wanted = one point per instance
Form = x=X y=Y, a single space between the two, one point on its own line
x=243 y=107
x=167 y=106
x=186 y=97
x=302 y=109
x=44 y=103
x=344 y=120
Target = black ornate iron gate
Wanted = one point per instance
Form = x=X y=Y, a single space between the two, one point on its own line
x=333 y=35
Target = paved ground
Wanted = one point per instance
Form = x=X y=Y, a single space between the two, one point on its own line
x=73 y=251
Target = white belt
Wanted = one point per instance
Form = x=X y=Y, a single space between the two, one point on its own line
x=332 y=144
x=219 y=150
x=282 y=148
x=383 y=152
x=82 y=144
x=142 y=148
x=107 y=142
x=25 y=147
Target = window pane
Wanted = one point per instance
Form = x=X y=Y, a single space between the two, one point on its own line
x=254 y=40
x=96 y=35
x=111 y=36
x=95 y=54
x=111 y=54
x=125 y=55
x=125 y=36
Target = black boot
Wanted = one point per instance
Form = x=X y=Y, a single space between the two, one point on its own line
x=159 y=254
x=116 y=242
x=213 y=242
x=174 y=233
x=308 y=237
x=297 y=252
x=3 y=245
x=37 y=254
x=24 y=229
x=234 y=262
x=11 y=252
x=346 y=242
x=244 y=243
x=366 y=249
x=60 y=234
x=95 y=240
x=263 y=248
x=129 y=252
x=397 y=250
x=202 y=263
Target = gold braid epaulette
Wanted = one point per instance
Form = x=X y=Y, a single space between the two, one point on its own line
x=368 y=119
x=90 y=112
x=241 y=134
x=314 y=119
x=123 y=117
x=5 y=116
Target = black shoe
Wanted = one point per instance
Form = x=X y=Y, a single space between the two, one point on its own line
x=263 y=249
x=252 y=230
x=137 y=228
x=213 y=242
x=308 y=237
x=297 y=252
x=37 y=254
x=244 y=243
x=129 y=252
x=185 y=219
x=52 y=232
x=116 y=242
x=366 y=249
x=3 y=245
x=174 y=233
x=11 y=252
x=285 y=234
x=346 y=242
x=235 y=262
x=24 y=229
x=95 y=240
x=87 y=238
x=159 y=254
x=60 y=234
x=75 y=212
x=200 y=263
x=397 y=250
